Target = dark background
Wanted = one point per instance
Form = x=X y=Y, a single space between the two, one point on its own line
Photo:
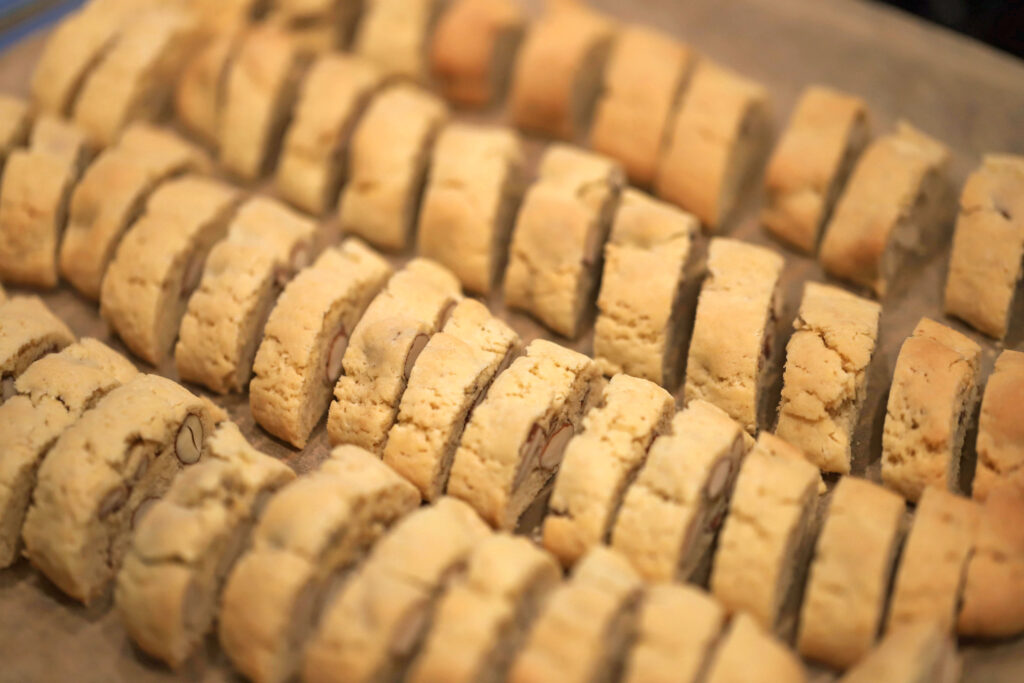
x=999 y=23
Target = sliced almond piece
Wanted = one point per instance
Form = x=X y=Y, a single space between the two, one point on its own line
x=193 y=273
x=409 y=631
x=335 y=354
x=415 y=349
x=188 y=445
x=113 y=501
x=554 y=449
x=718 y=478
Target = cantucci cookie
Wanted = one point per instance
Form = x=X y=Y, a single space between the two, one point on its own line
x=749 y=655
x=395 y=35
x=767 y=537
x=555 y=254
x=671 y=512
x=160 y=260
x=327 y=24
x=199 y=92
x=920 y=651
x=28 y=331
x=558 y=71
x=849 y=576
x=988 y=246
x=678 y=624
x=168 y=588
x=473 y=47
x=715 y=142
x=117 y=456
x=933 y=394
x=383 y=350
x=52 y=393
x=313 y=155
x=373 y=627
x=894 y=205
x=112 y=194
x=15 y=120
x=516 y=437
x=811 y=162
x=646 y=72
x=267 y=243
x=480 y=621
x=449 y=378
x=824 y=383
x=304 y=341
x=642 y=307
x=585 y=626
x=312 y=530
x=731 y=348
x=934 y=561
x=388 y=163
x=1000 y=444
x=600 y=463
x=469 y=205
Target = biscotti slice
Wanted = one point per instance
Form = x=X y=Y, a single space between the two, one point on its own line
x=52 y=393
x=811 y=163
x=555 y=255
x=28 y=331
x=1000 y=444
x=824 y=383
x=375 y=624
x=601 y=462
x=314 y=152
x=476 y=182
x=472 y=50
x=117 y=456
x=304 y=341
x=715 y=143
x=516 y=437
x=585 y=626
x=15 y=121
x=388 y=165
x=324 y=24
x=988 y=246
x=383 y=349
x=646 y=72
x=168 y=588
x=112 y=194
x=199 y=93
x=159 y=262
x=316 y=527
x=912 y=653
x=643 y=305
x=934 y=561
x=849 y=576
x=895 y=204
x=678 y=624
x=767 y=537
x=558 y=71
x=449 y=378
x=395 y=34
x=671 y=513
x=731 y=349
x=267 y=244
x=481 y=621
x=933 y=395
x=748 y=654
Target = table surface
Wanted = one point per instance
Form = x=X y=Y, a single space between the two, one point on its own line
x=960 y=91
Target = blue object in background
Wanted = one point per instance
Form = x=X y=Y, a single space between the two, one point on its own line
x=18 y=18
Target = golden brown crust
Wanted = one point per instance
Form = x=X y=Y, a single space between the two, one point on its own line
x=1000 y=445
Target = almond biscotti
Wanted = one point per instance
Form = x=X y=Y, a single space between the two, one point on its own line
x=449 y=378
x=314 y=529
x=824 y=383
x=199 y=92
x=748 y=654
x=304 y=341
x=267 y=243
x=600 y=463
x=645 y=302
x=480 y=621
x=811 y=162
x=28 y=331
x=715 y=143
x=849 y=576
x=894 y=205
x=168 y=588
x=160 y=261
x=645 y=75
x=516 y=437
x=672 y=511
x=988 y=246
x=920 y=651
x=388 y=164
x=333 y=96
x=395 y=35
x=933 y=395
x=1000 y=444
x=555 y=255
x=118 y=455
x=476 y=181
x=731 y=348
